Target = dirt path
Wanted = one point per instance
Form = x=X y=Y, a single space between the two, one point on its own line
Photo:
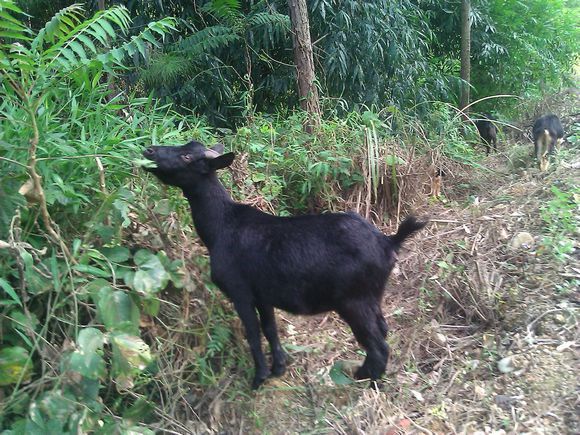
x=484 y=333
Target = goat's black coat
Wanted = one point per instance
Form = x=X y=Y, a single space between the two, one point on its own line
x=304 y=265
x=488 y=132
x=548 y=133
x=551 y=124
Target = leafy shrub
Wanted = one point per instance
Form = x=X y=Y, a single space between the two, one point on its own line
x=560 y=216
x=72 y=295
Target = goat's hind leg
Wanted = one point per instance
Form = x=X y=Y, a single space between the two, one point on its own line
x=381 y=322
x=370 y=332
x=268 y=321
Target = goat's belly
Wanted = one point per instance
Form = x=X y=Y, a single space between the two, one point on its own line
x=301 y=303
x=296 y=308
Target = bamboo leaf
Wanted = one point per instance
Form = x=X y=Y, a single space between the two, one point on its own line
x=10 y=291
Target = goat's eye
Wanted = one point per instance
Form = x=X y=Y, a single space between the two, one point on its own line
x=187 y=158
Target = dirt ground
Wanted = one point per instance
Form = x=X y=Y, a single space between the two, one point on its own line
x=484 y=334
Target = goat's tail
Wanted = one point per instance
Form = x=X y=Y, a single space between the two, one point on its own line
x=409 y=226
x=542 y=145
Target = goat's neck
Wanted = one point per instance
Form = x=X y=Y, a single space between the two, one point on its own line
x=210 y=203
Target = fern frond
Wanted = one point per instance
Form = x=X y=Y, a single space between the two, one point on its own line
x=167 y=70
x=137 y=43
x=271 y=19
x=59 y=25
x=10 y=27
x=226 y=10
x=70 y=49
x=208 y=39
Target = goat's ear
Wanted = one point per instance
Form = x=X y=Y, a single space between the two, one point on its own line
x=218 y=148
x=222 y=161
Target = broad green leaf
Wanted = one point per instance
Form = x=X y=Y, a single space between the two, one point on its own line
x=141 y=47
x=14 y=365
x=87 y=359
x=87 y=390
x=151 y=277
x=14 y=35
x=173 y=268
x=90 y=339
x=95 y=286
x=57 y=407
x=116 y=254
x=151 y=306
x=133 y=350
x=90 y=365
x=338 y=376
x=118 y=311
x=144 y=283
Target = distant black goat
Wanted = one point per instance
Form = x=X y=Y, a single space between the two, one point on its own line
x=548 y=133
x=488 y=132
x=304 y=265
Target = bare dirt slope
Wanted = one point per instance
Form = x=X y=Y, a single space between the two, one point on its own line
x=483 y=312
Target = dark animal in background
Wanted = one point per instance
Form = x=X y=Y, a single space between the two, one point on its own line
x=304 y=265
x=488 y=132
x=548 y=134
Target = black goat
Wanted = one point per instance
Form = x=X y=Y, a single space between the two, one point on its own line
x=548 y=134
x=304 y=265
x=488 y=132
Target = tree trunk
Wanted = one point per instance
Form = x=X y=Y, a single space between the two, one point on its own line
x=307 y=92
x=465 y=53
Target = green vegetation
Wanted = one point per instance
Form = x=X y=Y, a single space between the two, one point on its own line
x=560 y=216
x=84 y=263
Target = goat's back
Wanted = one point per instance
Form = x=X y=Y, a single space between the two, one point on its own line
x=550 y=123
x=487 y=129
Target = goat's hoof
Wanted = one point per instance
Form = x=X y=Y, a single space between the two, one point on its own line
x=361 y=373
x=278 y=370
x=258 y=381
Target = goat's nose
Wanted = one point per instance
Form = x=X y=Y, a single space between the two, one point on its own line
x=149 y=152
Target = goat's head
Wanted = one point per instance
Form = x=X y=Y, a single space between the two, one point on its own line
x=186 y=165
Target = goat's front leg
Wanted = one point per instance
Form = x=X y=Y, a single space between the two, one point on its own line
x=268 y=321
x=247 y=313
